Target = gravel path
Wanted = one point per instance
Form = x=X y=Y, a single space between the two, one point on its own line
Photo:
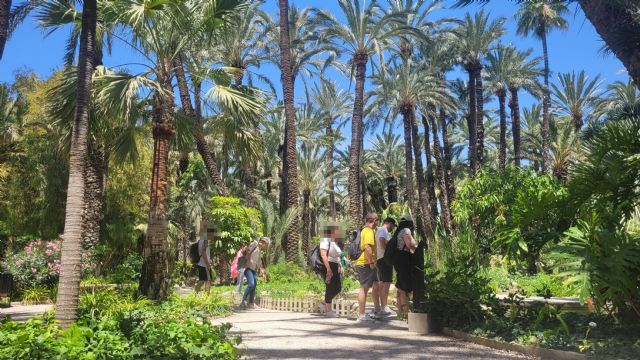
x=269 y=334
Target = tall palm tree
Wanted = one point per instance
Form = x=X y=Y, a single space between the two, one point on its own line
x=475 y=37
x=334 y=104
x=498 y=68
x=576 y=96
x=290 y=167
x=5 y=9
x=618 y=95
x=540 y=17
x=389 y=160
x=531 y=139
x=363 y=35
x=69 y=284
x=523 y=74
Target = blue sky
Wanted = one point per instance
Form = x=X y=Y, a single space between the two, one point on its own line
x=576 y=49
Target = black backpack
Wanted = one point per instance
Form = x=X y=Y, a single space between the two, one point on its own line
x=355 y=251
x=391 y=249
x=194 y=253
x=315 y=260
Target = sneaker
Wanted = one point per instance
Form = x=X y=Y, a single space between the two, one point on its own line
x=253 y=306
x=388 y=310
x=365 y=317
x=243 y=305
x=384 y=312
x=331 y=314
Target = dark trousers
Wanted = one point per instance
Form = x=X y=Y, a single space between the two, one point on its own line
x=334 y=287
x=252 y=283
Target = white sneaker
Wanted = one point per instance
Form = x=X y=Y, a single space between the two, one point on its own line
x=388 y=310
x=331 y=314
x=384 y=312
x=366 y=317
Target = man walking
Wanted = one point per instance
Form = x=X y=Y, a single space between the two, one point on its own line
x=385 y=271
x=204 y=265
x=253 y=264
x=366 y=267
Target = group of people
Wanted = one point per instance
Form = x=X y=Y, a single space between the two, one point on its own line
x=247 y=263
x=374 y=272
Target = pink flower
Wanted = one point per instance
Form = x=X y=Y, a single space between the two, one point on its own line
x=49 y=252
x=33 y=270
x=51 y=244
x=19 y=262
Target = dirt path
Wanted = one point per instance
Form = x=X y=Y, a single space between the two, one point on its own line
x=269 y=334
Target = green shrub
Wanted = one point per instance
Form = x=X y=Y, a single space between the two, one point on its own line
x=38 y=295
x=37 y=264
x=128 y=271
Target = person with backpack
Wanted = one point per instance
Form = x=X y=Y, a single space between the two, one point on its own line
x=405 y=248
x=384 y=270
x=237 y=268
x=204 y=259
x=253 y=263
x=331 y=271
x=366 y=265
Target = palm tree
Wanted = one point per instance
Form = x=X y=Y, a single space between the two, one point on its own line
x=363 y=35
x=475 y=37
x=576 y=96
x=333 y=104
x=69 y=285
x=619 y=95
x=564 y=149
x=531 y=140
x=540 y=17
x=290 y=169
x=5 y=9
x=389 y=162
x=523 y=75
x=312 y=179
x=498 y=68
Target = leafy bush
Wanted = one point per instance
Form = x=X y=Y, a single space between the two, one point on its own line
x=38 y=295
x=128 y=271
x=514 y=213
x=235 y=224
x=38 y=264
x=114 y=325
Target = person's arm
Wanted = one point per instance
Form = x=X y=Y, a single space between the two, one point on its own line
x=202 y=252
x=368 y=253
x=408 y=241
x=324 y=254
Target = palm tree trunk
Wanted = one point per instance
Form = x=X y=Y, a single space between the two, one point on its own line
x=5 y=9
x=480 y=116
x=426 y=216
x=94 y=181
x=546 y=103
x=440 y=171
x=502 y=151
x=291 y=167
x=451 y=188
x=353 y=186
x=330 y=174
x=577 y=122
x=201 y=143
x=515 y=124
x=364 y=192
x=407 y=113
x=431 y=188
x=471 y=121
x=69 y=283
x=392 y=189
x=306 y=223
x=249 y=185
x=154 y=277
x=611 y=19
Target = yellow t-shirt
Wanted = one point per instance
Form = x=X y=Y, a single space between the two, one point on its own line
x=367 y=237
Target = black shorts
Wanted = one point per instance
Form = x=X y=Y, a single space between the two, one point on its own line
x=402 y=265
x=204 y=274
x=385 y=271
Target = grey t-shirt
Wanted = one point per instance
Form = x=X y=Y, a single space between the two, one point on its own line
x=253 y=256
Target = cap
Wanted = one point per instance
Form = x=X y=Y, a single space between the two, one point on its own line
x=265 y=239
x=406 y=217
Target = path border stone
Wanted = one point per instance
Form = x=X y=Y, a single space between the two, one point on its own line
x=539 y=352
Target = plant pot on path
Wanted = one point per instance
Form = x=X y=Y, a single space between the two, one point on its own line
x=423 y=323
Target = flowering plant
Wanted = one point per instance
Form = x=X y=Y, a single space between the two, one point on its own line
x=35 y=265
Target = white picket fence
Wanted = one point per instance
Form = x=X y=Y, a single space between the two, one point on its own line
x=342 y=307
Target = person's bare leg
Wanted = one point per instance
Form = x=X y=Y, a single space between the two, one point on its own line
x=327 y=307
x=207 y=287
x=198 y=286
x=362 y=299
x=383 y=290
x=376 y=296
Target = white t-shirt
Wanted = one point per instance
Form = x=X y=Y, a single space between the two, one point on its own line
x=207 y=253
x=401 y=235
x=333 y=255
x=382 y=233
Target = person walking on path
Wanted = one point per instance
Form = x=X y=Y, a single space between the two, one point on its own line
x=366 y=267
x=330 y=254
x=253 y=263
x=204 y=264
x=237 y=268
x=385 y=271
x=402 y=263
